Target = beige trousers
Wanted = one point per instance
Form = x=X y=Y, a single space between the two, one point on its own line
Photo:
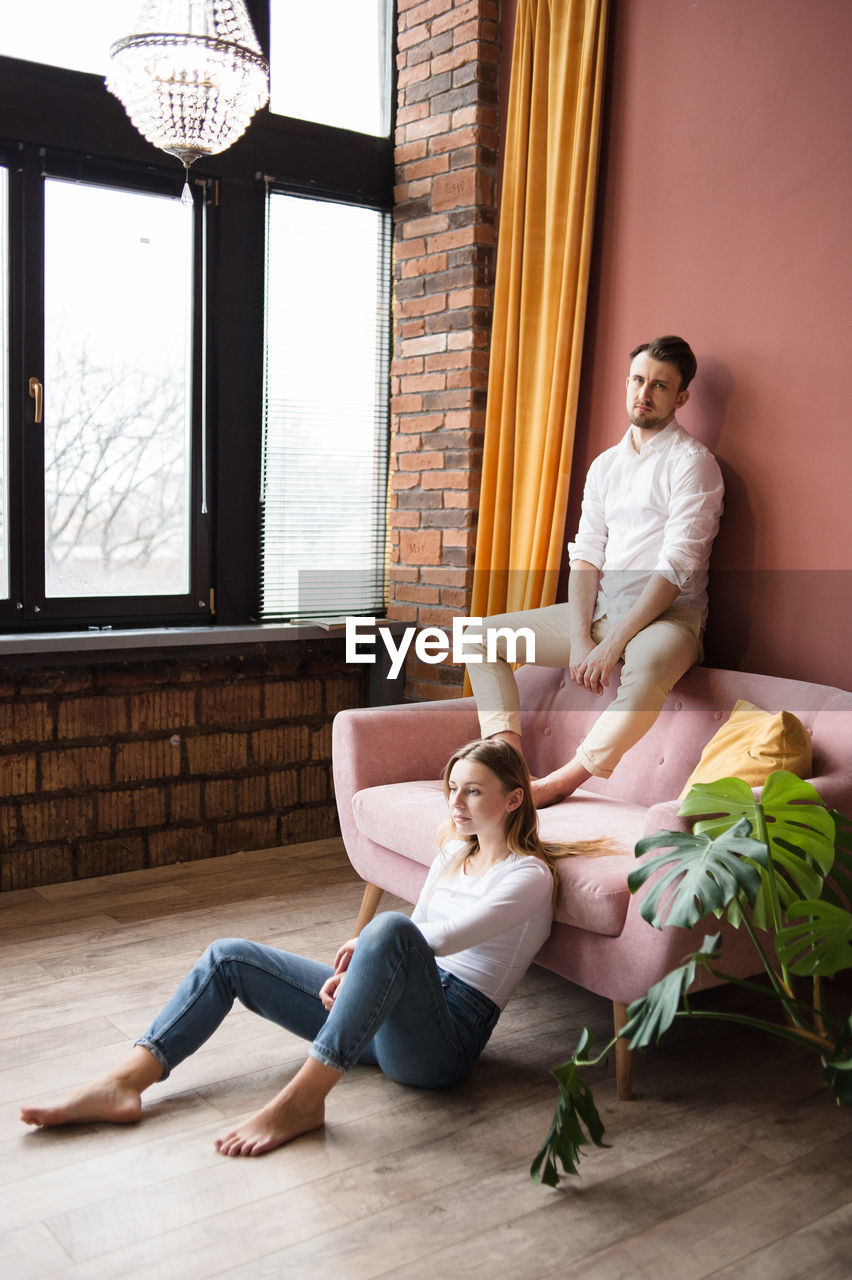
x=654 y=660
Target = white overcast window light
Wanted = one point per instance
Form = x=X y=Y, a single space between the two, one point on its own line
x=330 y=63
x=61 y=33
x=117 y=334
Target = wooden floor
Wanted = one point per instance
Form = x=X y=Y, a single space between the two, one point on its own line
x=731 y=1161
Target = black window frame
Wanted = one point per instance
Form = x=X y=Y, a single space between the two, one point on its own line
x=76 y=120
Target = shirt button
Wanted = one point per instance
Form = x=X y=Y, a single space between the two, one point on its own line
x=547 y=733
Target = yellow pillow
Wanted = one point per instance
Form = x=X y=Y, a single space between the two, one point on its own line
x=751 y=745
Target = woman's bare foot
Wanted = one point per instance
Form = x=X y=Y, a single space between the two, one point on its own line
x=297 y=1109
x=115 y=1098
x=278 y=1122
x=106 y=1100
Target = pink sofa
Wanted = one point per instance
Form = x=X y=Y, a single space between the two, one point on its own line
x=387 y=762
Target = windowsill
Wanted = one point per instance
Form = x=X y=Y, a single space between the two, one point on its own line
x=35 y=648
x=126 y=641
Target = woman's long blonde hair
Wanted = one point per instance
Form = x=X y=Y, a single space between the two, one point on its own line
x=521 y=833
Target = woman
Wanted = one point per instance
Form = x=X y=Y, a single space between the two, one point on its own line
x=485 y=910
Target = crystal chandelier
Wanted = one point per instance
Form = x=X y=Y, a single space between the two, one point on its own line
x=191 y=76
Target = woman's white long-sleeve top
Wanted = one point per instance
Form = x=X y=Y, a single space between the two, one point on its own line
x=487 y=929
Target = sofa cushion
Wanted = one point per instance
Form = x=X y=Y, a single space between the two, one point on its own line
x=405 y=817
x=753 y=743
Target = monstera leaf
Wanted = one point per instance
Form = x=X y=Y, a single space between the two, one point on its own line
x=575 y=1108
x=838 y=887
x=799 y=831
x=821 y=945
x=698 y=874
x=650 y=1016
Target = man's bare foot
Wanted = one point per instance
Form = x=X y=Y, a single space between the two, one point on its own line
x=544 y=792
x=278 y=1122
x=106 y=1100
x=559 y=784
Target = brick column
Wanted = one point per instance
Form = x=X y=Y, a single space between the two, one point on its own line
x=446 y=170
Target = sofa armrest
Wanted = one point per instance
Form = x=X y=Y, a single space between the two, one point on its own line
x=411 y=742
x=835 y=791
x=664 y=817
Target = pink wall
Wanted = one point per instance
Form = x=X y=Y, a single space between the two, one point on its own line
x=725 y=214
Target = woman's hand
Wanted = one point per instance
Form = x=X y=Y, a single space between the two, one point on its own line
x=331 y=986
x=344 y=955
x=329 y=989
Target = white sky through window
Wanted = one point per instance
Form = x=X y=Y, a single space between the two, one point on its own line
x=325 y=64
x=65 y=33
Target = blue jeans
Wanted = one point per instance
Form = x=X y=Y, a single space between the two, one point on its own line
x=395 y=1008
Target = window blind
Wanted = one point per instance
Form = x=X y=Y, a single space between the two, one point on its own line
x=326 y=409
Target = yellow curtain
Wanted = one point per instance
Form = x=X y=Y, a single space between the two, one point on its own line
x=544 y=248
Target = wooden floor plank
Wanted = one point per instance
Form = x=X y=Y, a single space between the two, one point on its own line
x=30 y=1253
x=730 y=1139
x=821 y=1248
x=718 y=1236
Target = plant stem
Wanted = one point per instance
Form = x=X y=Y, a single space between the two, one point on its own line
x=819 y=1020
x=798 y=1035
x=763 y=837
x=755 y=986
x=779 y=981
x=593 y=1062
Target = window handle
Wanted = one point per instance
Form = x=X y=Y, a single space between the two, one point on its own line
x=36 y=394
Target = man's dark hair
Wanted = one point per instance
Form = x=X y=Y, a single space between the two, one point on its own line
x=672 y=350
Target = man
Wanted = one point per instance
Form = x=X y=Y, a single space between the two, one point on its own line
x=638 y=584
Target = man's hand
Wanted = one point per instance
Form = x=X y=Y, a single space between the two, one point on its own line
x=594 y=664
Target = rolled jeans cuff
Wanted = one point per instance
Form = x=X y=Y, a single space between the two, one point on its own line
x=155 y=1052
x=328 y=1059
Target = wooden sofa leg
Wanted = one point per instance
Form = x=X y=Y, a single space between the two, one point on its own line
x=369 y=905
x=624 y=1055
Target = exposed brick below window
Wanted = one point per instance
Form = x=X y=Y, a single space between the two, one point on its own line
x=136 y=764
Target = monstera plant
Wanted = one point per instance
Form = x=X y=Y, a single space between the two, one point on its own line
x=779 y=867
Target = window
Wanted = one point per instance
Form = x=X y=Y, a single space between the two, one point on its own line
x=325 y=408
x=330 y=62
x=174 y=377
x=62 y=34
x=112 y=526
x=118 y=312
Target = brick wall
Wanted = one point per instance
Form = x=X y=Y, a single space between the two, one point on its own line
x=114 y=767
x=126 y=765
x=446 y=172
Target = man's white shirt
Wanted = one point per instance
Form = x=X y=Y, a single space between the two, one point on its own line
x=653 y=511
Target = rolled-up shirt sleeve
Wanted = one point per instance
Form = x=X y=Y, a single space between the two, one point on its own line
x=695 y=508
x=592 y=534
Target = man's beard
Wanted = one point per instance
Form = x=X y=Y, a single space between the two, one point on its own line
x=646 y=422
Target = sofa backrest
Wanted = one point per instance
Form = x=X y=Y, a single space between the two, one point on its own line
x=556 y=714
